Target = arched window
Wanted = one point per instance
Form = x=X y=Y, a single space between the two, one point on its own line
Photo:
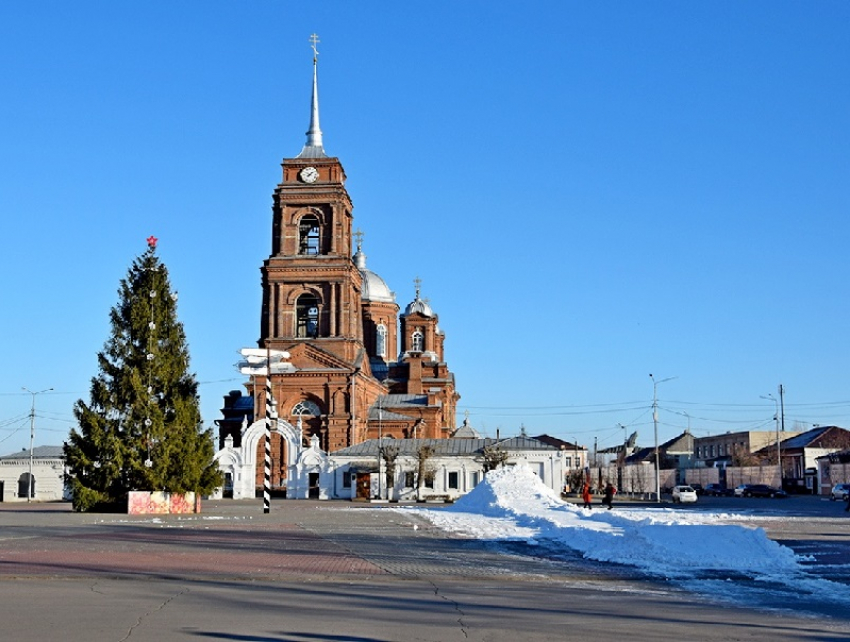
x=308 y=235
x=307 y=317
x=23 y=482
x=417 y=342
x=381 y=340
x=306 y=407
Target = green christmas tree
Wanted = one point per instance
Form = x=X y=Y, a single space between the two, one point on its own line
x=141 y=429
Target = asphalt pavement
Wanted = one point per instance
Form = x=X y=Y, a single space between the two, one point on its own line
x=338 y=571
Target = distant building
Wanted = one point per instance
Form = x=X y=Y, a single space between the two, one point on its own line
x=575 y=456
x=727 y=449
x=800 y=455
x=833 y=469
x=48 y=475
x=677 y=453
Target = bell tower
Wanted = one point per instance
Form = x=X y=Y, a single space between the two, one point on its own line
x=352 y=373
x=312 y=291
x=311 y=287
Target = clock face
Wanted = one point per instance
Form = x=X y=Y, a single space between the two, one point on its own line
x=309 y=174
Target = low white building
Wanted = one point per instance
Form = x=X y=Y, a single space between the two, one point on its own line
x=422 y=468
x=48 y=475
x=448 y=469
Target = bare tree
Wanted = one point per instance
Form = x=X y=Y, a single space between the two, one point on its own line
x=576 y=478
x=390 y=456
x=424 y=471
x=742 y=457
x=493 y=458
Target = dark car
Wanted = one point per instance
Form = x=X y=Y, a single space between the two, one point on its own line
x=717 y=490
x=763 y=490
x=698 y=488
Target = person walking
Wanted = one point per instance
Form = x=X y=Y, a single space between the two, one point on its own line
x=585 y=495
x=608 y=497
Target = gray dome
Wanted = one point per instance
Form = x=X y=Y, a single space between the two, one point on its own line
x=374 y=287
x=419 y=306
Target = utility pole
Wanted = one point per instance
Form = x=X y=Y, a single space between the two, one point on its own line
x=655 y=425
x=655 y=430
x=380 y=449
x=782 y=420
x=778 y=440
x=32 y=437
x=621 y=459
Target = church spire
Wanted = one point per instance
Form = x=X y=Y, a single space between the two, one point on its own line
x=313 y=148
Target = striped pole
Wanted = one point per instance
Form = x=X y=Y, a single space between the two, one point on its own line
x=267 y=484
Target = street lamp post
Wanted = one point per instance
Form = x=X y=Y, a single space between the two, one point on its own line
x=32 y=436
x=621 y=460
x=778 y=441
x=655 y=426
x=380 y=449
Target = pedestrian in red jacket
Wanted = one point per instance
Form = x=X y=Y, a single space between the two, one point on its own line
x=585 y=495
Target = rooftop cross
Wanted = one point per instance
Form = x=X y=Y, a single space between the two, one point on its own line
x=314 y=148
x=359 y=236
x=314 y=40
x=418 y=283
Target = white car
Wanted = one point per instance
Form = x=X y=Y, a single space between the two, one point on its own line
x=840 y=491
x=684 y=494
x=740 y=490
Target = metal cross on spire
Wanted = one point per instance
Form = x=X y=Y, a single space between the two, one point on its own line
x=314 y=40
x=359 y=236
x=313 y=148
x=418 y=283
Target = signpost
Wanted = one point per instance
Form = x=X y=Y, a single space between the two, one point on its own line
x=265 y=362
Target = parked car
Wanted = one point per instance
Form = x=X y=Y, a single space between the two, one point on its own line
x=840 y=491
x=684 y=494
x=698 y=488
x=763 y=490
x=717 y=490
x=739 y=490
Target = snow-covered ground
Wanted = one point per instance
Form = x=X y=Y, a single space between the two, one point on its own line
x=512 y=504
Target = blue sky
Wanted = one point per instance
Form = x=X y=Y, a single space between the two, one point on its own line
x=590 y=192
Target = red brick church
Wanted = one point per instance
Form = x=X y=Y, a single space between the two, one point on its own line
x=361 y=368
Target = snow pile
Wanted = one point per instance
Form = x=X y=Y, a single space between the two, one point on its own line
x=512 y=503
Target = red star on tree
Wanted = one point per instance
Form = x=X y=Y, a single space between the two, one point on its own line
x=152 y=241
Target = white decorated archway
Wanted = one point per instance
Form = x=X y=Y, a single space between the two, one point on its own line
x=239 y=465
